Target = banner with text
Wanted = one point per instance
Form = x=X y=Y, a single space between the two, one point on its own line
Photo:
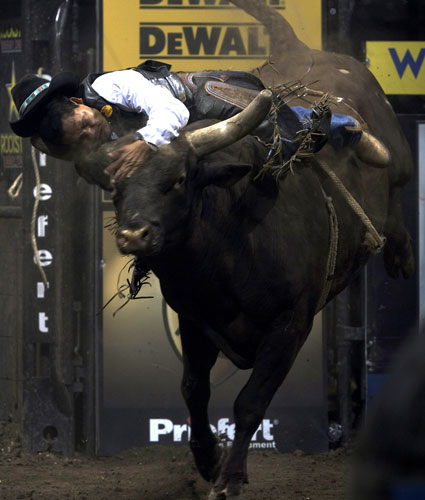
x=398 y=66
x=194 y=35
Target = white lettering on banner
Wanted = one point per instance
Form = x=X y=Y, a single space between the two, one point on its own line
x=42 y=160
x=158 y=427
x=223 y=427
x=179 y=430
x=42 y=322
x=41 y=289
x=262 y=445
x=265 y=428
x=163 y=426
x=46 y=258
x=45 y=192
x=42 y=222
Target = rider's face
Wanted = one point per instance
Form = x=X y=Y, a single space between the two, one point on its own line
x=86 y=129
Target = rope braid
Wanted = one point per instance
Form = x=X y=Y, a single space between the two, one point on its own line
x=332 y=253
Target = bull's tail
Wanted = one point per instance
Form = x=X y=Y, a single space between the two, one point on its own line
x=282 y=35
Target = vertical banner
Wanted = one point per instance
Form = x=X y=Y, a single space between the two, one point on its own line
x=46 y=323
x=140 y=382
x=48 y=407
x=44 y=345
x=11 y=57
x=11 y=161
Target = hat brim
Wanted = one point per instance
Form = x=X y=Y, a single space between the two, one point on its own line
x=65 y=83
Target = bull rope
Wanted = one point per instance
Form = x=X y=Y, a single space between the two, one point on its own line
x=373 y=240
x=306 y=137
x=332 y=253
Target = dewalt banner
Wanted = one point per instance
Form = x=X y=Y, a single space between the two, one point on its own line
x=398 y=66
x=194 y=35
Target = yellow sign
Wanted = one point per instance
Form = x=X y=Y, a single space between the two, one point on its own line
x=195 y=35
x=13 y=112
x=398 y=66
x=10 y=144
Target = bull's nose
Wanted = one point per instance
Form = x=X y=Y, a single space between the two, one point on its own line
x=131 y=240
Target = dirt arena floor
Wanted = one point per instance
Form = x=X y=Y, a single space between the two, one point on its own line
x=163 y=473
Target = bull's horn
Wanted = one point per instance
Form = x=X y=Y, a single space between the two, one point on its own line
x=60 y=152
x=209 y=139
x=371 y=150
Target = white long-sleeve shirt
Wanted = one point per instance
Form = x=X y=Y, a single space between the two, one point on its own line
x=131 y=91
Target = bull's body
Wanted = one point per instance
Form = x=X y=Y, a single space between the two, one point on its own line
x=363 y=98
x=243 y=261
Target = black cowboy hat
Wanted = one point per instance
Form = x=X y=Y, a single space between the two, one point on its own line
x=33 y=92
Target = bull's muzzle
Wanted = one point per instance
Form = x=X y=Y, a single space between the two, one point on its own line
x=135 y=240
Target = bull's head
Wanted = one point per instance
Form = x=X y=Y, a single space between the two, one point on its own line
x=152 y=206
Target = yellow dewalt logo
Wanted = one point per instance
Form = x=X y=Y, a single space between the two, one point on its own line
x=197 y=34
x=398 y=66
x=203 y=40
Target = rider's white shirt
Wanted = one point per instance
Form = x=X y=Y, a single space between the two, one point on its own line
x=131 y=91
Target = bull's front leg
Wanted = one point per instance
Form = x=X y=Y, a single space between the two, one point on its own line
x=199 y=356
x=275 y=356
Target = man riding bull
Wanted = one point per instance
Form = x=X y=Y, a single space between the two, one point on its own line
x=69 y=119
x=76 y=118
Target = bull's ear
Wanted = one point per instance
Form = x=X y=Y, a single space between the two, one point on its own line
x=221 y=175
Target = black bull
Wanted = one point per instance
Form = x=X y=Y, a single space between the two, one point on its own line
x=243 y=261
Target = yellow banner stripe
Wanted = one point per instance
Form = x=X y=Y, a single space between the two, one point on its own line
x=398 y=66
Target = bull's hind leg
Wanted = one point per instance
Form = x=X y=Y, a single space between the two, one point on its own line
x=273 y=361
x=199 y=356
x=398 y=254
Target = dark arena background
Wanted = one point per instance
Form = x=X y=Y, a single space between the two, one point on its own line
x=90 y=404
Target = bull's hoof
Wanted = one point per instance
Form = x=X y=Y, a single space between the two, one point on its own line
x=228 y=487
x=208 y=461
x=231 y=491
x=216 y=496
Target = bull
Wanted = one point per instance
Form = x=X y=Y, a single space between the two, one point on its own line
x=247 y=259
x=243 y=261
